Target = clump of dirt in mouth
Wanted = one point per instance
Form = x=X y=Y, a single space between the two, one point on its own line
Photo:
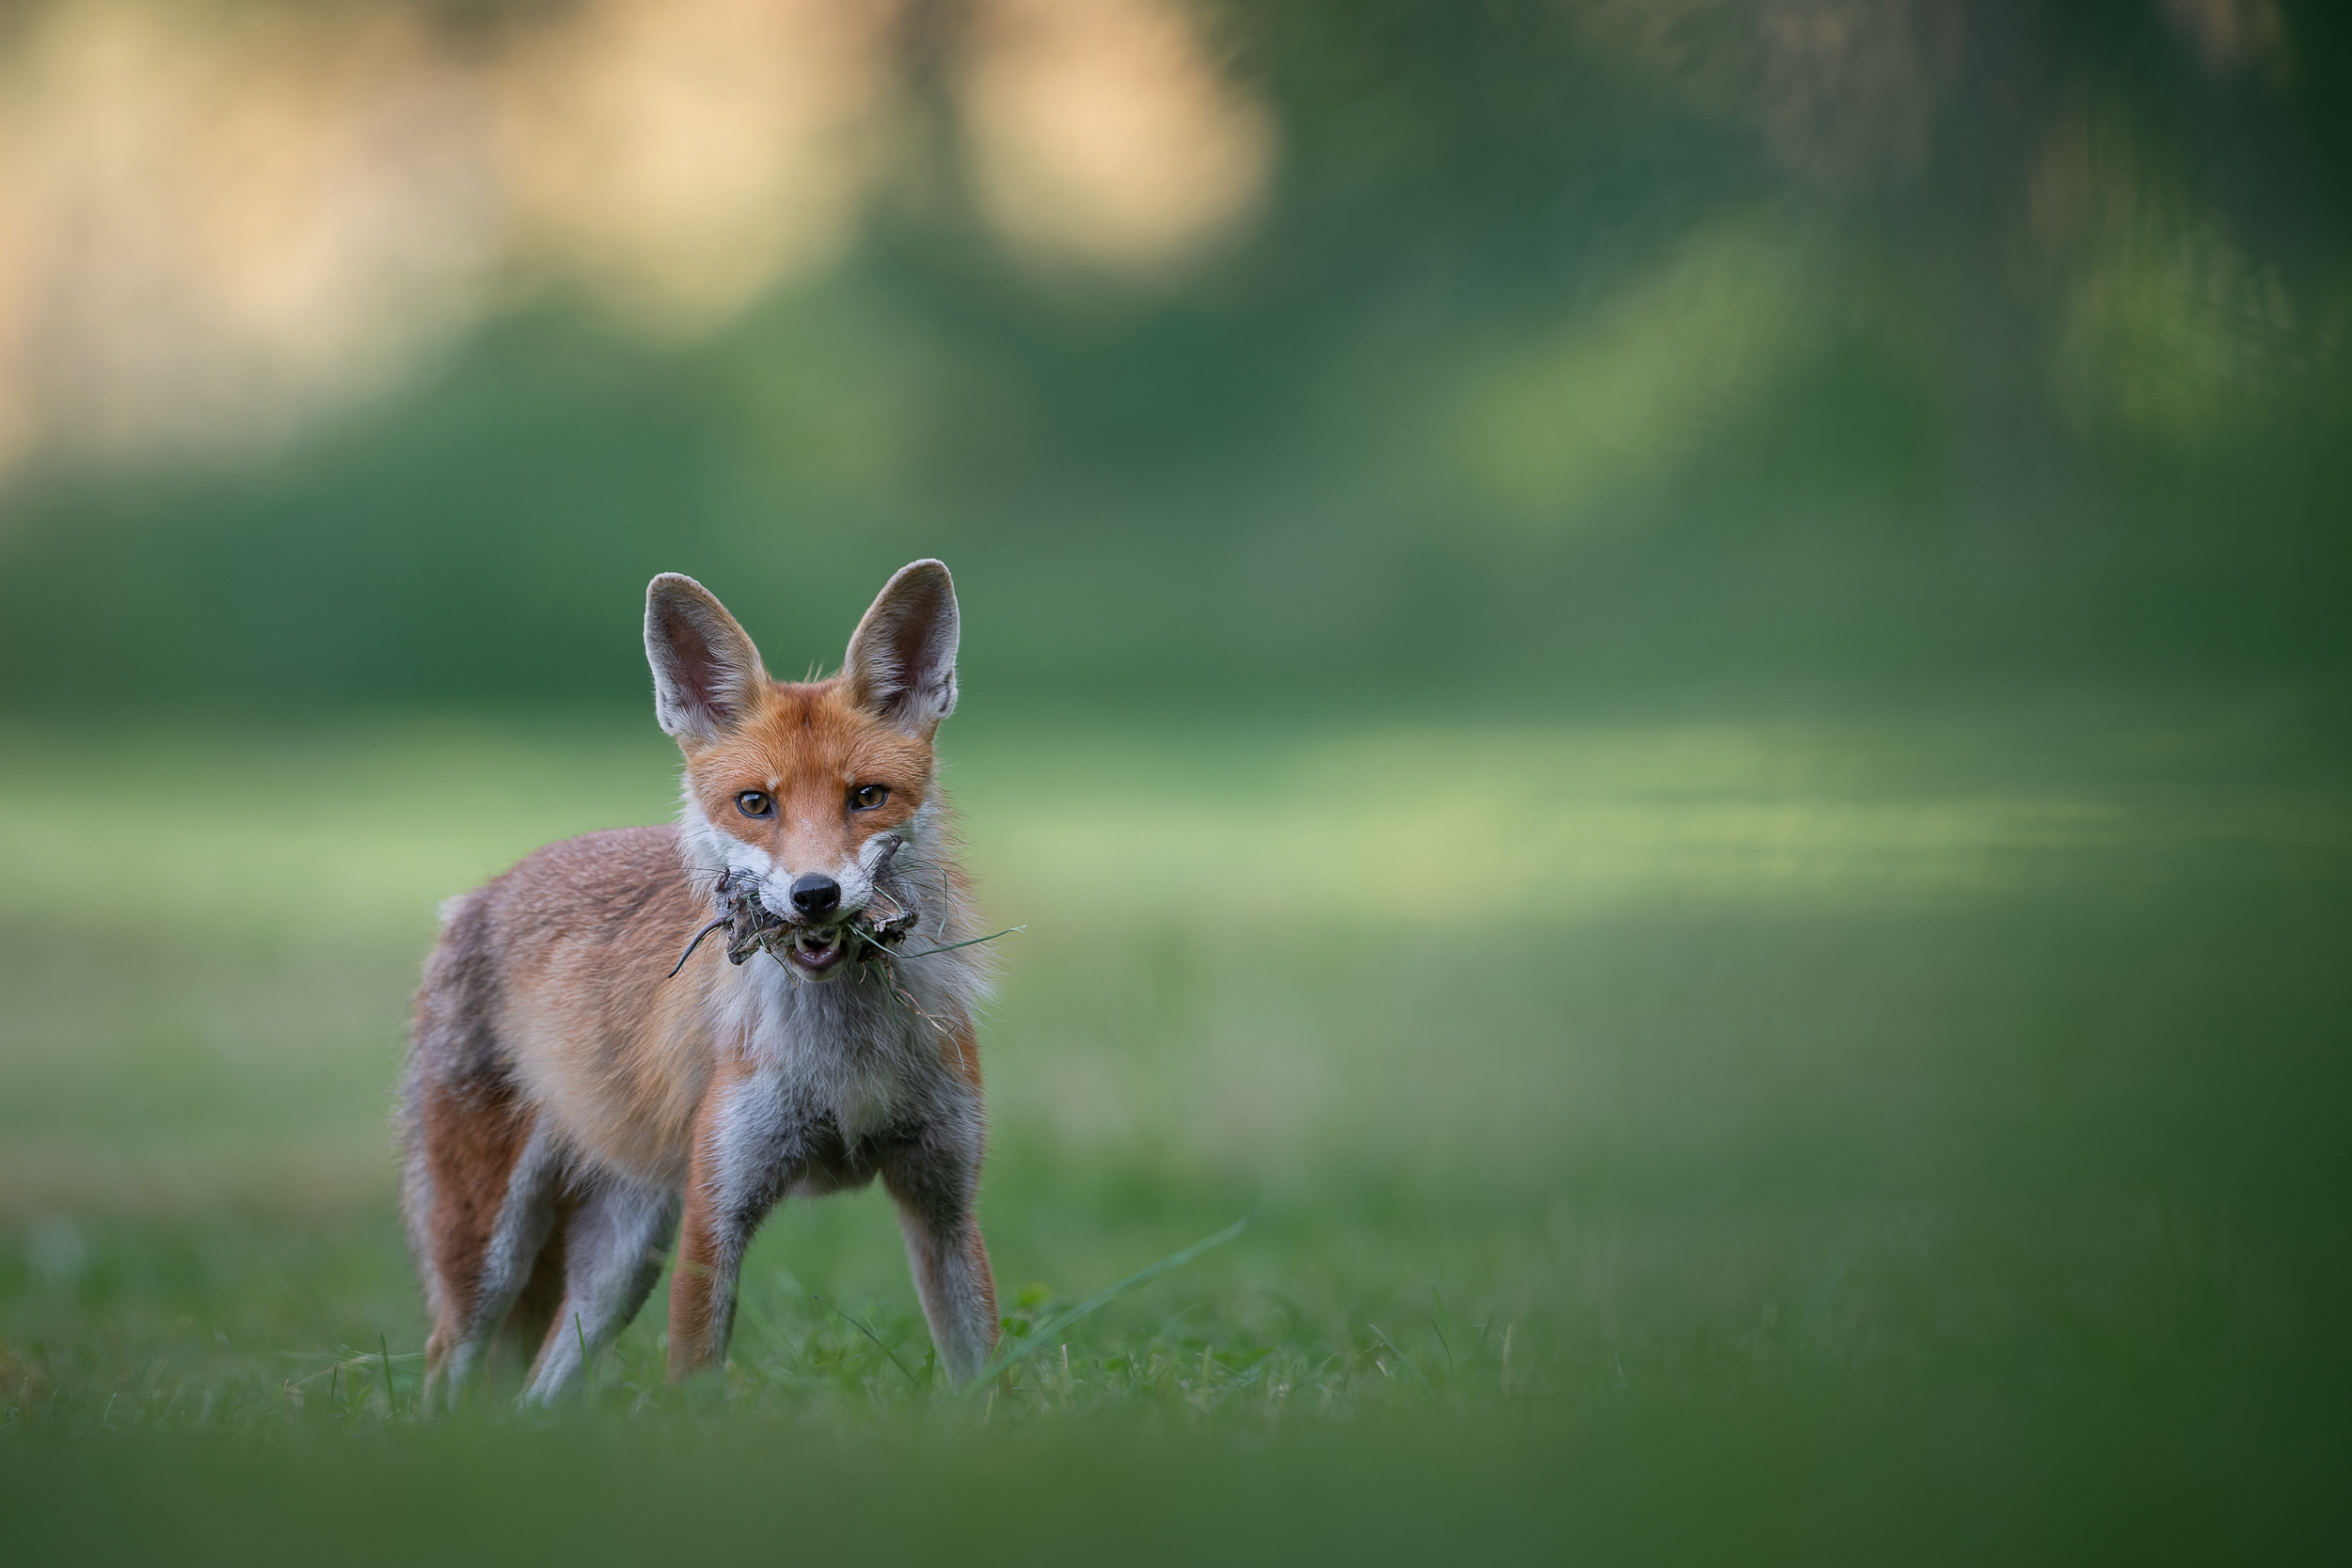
x=752 y=928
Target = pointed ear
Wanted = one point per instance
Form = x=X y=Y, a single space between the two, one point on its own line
x=706 y=672
x=902 y=664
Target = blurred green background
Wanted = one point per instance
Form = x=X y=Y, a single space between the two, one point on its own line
x=1668 y=675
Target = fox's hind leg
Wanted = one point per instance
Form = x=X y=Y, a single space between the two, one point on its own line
x=613 y=1248
x=516 y=1343
x=491 y=1180
x=480 y=1175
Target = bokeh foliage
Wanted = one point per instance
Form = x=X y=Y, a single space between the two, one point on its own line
x=1576 y=343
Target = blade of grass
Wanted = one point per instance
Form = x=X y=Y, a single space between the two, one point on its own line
x=859 y=1324
x=743 y=1303
x=1010 y=930
x=383 y=1350
x=1006 y=1359
x=1382 y=1335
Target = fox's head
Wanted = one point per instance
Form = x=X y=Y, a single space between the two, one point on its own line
x=805 y=790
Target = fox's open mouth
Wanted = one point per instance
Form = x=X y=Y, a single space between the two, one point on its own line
x=816 y=950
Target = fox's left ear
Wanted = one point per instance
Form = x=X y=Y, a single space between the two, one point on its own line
x=902 y=663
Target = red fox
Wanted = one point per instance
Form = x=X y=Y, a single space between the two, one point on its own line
x=575 y=1087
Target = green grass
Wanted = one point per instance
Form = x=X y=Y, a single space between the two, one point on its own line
x=1854 y=1120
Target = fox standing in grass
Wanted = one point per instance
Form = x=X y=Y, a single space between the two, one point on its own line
x=569 y=1100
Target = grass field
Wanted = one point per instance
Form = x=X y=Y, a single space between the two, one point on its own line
x=1858 y=1135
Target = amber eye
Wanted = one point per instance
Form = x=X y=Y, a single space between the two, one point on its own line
x=866 y=796
x=756 y=802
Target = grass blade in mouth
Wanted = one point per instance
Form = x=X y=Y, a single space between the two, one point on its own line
x=942 y=948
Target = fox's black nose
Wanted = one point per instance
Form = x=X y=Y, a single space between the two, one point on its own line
x=815 y=894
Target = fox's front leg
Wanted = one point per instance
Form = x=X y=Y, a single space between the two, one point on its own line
x=745 y=1157
x=934 y=1178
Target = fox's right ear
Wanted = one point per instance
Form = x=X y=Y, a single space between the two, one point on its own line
x=706 y=672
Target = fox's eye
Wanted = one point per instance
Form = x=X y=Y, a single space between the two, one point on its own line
x=756 y=802
x=866 y=796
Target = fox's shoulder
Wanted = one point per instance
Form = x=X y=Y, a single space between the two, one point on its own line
x=616 y=854
x=621 y=874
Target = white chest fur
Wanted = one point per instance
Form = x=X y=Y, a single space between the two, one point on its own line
x=843 y=1050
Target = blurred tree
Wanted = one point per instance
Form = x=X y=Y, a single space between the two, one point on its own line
x=1583 y=341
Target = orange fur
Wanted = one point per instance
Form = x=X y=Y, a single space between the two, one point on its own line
x=806 y=743
x=472 y=1157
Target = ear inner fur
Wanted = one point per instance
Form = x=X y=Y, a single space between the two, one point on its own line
x=706 y=670
x=902 y=663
